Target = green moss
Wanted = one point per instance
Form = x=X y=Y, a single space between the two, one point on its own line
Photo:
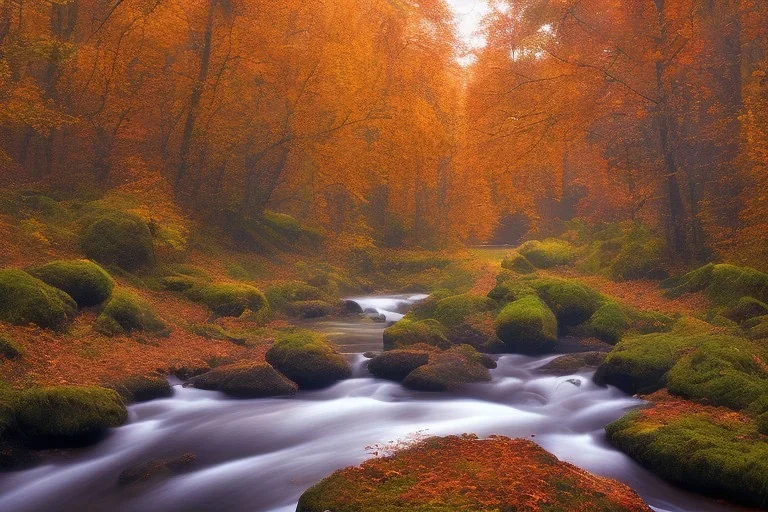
x=142 y=388
x=83 y=280
x=723 y=284
x=573 y=363
x=283 y=296
x=397 y=364
x=179 y=283
x=27 y=300
x=125 y=313
x=572 y=302
x=67 y=415
x=408 y=332
x=452 y=311
x=745 y=309
x=425 y=309
x=641 y=256
x=230 y=299
x=119 y=238
x=510 y=291
x=308 y=359
x=699 y=453
x=448 y=370
x=527 y=326
x=10 y=348
x=757 y=328
x=246 y=380
x=548 y=253
x=611 y=321
x=478 y=331
x=311 y=309
x=518 y=263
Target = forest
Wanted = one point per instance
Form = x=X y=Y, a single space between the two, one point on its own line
x=384 y=255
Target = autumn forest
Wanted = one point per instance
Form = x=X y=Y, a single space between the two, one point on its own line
x=484 y=254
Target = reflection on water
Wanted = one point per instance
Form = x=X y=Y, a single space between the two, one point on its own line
x=259 y=455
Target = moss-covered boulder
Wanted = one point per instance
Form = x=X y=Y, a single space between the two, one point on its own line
x=283 y=296
x=425 y=309
x=408 y=332
x=67 y=415
x=9 y=347
x=706 y=450
x=453 y=311
x=641 y=256
x=397 y=364
x=119 y=238
x=27 y=300
x=548 y=253
x=572 y=302
x=311 y=309
x=125 y=313
x=246 y=380
x=230 y=299
x=609 y=322
x=478 y=331
x=450 y=369
x=308 y=359
x=724 y=284
x=518 y=263
x=142 y=388
x=511 y=290
x=464 y=473
x=83 y=280
x=574 y=363
x=527 y=326
x=746 y=308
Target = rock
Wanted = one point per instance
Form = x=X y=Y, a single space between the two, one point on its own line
x=572 y=302
x=187 y=371
x=86 y=282
x=10 y=348
x=527 y=326
x=409 y=332
x=547 y=253
x=449 y=370
x=352 y=308
x=397 y=364
x=310 y=309
x=230 y=299
x=27 y=300
x=518 y=263
x=308 y=359
x=64 y=416
x=283 y=297
x=723 y=284
x=126 y=313
x=246 y=380
x=464 y=473
x=371 y=311
x=119 y=238
x=453 y=311
x=573 y=363
x=157 y=468
x=746 y=308
x=143 y=388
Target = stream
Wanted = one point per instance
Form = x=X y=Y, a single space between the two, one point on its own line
x=260 y=455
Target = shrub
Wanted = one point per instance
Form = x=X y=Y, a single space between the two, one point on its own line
x=408 y=332
x=10 y=348
x=745 y=309
x=452 y=311
x=698 y=452
x=126 y=313
x=27 y=300
x=142 y=388
x=527 y=326
x=83 y=280
x=230 y=299
x=246 y=380
x=548 y=253
x=119 y=238
x=308 y=359
x=67 y=415
x=572 y=302
x=397 y=364
x=518 y=263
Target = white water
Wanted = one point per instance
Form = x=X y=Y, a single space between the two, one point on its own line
x=260 y=455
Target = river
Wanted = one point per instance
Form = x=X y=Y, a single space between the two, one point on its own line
x=260 y=455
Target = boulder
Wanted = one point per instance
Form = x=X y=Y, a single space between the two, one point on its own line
x=119 y=238
x=83 y=280
x=527 y=326
x=308 y=359
x=246 y=380
x=27 y=300
x=126 y=313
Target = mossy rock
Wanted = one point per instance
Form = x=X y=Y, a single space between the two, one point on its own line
x=572 y=302
x=453 y=311
x=408 y=332
x=757 y=328
x=425 y=309
x=397 y=364
x=246 y=380
x=142 y=388
x=126 y=313
x=518 y=263
x=83 y=280
x=282 y=295
x=27 y=300
x=510 y=291
x=179 y=283
x=67 y=415
x=609 y=322
x=699 y=452
x=548 y=253
x=745 y=309
x=311 y=309
x=464 y=473
x=641 y=256
x=478 y=331
x=449 y=370
x=573 y=363
x=119 y=238
x=723 y=284
x=9 y=347
x=308 y=359
x=230 y=299
x=527 y=326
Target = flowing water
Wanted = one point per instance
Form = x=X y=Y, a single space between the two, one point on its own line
x=260 y=455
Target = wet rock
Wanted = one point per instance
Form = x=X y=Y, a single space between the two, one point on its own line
x=246 y=380
x=157 y=468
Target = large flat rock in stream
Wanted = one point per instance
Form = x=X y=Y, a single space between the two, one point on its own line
x=465 y=473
